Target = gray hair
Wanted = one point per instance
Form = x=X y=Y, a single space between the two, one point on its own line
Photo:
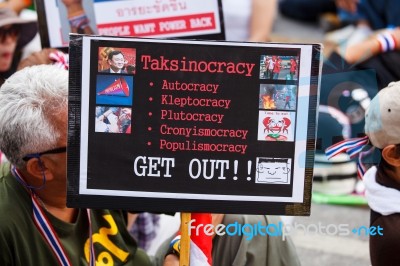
x=29 y=101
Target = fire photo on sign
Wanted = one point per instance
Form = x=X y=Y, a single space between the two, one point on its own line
x=277 y=97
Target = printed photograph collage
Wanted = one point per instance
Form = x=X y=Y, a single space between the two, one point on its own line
x=115 y=82
x=277 y=113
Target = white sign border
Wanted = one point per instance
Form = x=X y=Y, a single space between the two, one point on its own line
x=300 y=146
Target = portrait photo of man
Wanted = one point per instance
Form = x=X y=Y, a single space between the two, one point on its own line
x=116 y=61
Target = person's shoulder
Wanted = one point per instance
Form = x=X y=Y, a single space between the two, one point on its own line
x=105 y=70
x=117 y=215
x=9 y=198
x=5 y=169
x=10 y=190
x=5 y=172
x=389 y=223
x=385 y=240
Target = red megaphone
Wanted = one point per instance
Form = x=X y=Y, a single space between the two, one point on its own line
x=118 y=88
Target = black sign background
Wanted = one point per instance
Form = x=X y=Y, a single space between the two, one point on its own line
x=111 y=157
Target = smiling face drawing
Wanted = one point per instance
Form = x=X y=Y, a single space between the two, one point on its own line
x=273 y=170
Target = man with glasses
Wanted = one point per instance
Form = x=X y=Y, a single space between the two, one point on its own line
x=116 y=61
x=15 y=33
x=36 y=226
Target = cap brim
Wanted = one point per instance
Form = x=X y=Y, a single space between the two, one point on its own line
x=29 y=28
x=27 y=33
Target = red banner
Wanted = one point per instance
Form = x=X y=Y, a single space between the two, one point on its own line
x=150 y=27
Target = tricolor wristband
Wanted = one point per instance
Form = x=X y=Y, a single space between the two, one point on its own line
x=79 y=21
x=387 y=42
x=175 y=247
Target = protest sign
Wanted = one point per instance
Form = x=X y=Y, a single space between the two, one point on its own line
x=192 y=125
x=139 y=18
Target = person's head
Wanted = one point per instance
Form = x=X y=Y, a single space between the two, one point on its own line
x=15 y=33
x=131 y=69
x=382 y=123
x=33 y=115
x=116 y=60
x=124 y=119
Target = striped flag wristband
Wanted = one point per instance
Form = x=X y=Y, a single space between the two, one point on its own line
x=387 y=42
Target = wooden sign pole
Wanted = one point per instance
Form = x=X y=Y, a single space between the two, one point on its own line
x=184 y=259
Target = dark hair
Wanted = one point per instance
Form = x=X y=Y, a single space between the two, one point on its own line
x=112 y=53
x=130 y=68
x=273 y=160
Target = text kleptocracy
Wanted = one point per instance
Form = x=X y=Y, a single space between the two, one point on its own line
x=194 y=102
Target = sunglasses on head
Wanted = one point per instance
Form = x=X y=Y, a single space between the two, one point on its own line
x=9 y=31
x=37 y=155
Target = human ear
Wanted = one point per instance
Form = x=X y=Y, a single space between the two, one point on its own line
x=389 y=153
x=37 y=167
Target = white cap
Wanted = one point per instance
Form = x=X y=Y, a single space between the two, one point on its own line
x=382 y=119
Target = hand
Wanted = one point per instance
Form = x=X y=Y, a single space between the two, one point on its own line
x=16 y=5
x=348 y=5
x=171 y=260
x=37 y=58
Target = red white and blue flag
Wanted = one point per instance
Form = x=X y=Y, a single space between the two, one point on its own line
x=352 y=147
x=200 y=244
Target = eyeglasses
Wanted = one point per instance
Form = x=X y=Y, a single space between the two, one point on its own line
x=9 y=31
x=37 y=155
